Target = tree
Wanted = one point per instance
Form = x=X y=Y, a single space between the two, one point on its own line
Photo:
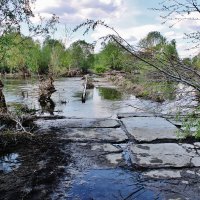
x=111 y=56
x=173 y=69
x=81 y=55
x=153 y=42
x=55 y=50
x=15 y=14
x=196 y=61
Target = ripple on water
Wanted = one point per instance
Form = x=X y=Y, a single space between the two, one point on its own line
x=9 y=162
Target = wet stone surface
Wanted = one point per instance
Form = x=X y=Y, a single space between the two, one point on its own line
x=77 y=123
x=95 y=155
x=150 y=129
x=108 y=135
x=165 y=155
x=135 y=114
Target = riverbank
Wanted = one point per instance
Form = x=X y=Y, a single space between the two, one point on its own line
x=155 y=89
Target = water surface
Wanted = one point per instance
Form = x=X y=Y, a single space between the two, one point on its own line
x=101 y=101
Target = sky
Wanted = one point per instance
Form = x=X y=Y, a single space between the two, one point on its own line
x=133 y=19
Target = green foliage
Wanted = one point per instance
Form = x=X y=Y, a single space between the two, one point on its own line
x=81 y=54
x=154 y=44
x=111 y=56
x=153 y=41
x=190 y=125
x=196 y=61
x=170 y=50
x=29 y=56
x=23 y=54
x=100 y=69
x=17 y=52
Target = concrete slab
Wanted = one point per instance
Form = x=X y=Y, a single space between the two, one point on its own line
x=136 y=114
x=77 y=123
x=164 y=155
x=97 y=154
x=148 y=129
x=107 y=135
x=115 y=159
x=108 y=148
x=163 y=174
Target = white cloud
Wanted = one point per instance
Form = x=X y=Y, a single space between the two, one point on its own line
x=136 y=33
x=75 y=11
x=174 y=35
x=121 y=14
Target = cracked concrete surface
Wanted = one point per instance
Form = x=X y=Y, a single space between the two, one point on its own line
x=149 y=129
x=164 y=155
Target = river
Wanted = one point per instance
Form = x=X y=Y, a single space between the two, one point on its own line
x=101 y=101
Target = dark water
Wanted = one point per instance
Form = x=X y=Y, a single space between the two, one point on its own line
x=9 y=162
x=101 y=102
x=110 y=184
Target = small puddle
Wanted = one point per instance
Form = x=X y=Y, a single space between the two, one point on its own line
x=9 y=162
x=110 y=184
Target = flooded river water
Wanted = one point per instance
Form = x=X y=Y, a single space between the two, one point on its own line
x=101 y=101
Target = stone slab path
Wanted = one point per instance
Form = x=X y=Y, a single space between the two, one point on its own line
x=77 y=123
x=165 y=155
x=149 y=129
x=146 y=145
x=157 y=147
x=108 y=135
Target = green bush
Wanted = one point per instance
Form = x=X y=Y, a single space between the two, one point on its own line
x=100 y=69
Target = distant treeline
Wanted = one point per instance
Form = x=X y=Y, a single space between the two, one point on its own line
x=21 y=54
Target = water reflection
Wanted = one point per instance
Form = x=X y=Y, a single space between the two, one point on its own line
x=9 y=162
x=78 y=95
x=110 y=94
x=122 y=184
